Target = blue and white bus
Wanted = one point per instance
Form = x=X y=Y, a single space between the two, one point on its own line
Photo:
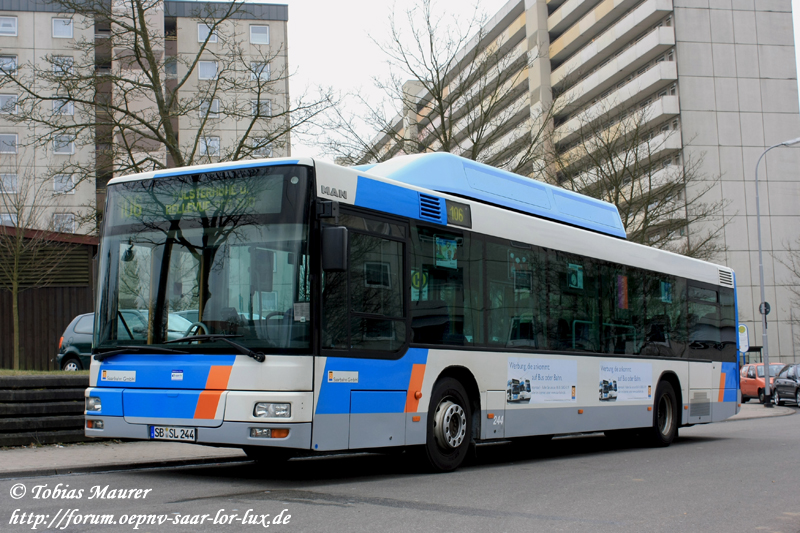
x=337 y=309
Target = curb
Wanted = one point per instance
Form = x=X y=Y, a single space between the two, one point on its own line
x=44 y=472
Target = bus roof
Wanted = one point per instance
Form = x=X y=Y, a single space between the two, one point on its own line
x=451 y=174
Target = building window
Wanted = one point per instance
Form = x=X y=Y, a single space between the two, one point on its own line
x=64 y=222
x=63 y=65
x=62 y=28
x=204 y=32
x=259 y=34
x=8 y=143
x=8 y=64
x=63 y=184
x=64 y=144
x=262 y=147
x=212 y=111
x=63 y=107
x=259 y=71
x=8 y=183
x=171 y=67
x=8 y=219
x=8 y=104
x=206 y=70
x=8 y=26
x=261 y=108
x=209 y=146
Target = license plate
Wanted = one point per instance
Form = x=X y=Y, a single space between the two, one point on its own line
x=173 y=433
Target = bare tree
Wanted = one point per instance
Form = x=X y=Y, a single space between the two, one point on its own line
x=790 y=259
x=632 y=158
x=452 y=88
x=123 y=89
x=30 y=250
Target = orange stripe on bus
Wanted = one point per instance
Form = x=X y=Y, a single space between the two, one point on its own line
x=722 y=386
x=207 y=404
x=414 y=385
x=218 y=377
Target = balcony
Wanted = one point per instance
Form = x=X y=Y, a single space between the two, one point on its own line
x=653 y=149
x=663 y=107
x=603 y=46
x=625 y=66
x=592 y=24
x=568 y=14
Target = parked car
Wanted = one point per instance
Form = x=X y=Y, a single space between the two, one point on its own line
x=751 y=380
x=75 y=346
x=787 y=385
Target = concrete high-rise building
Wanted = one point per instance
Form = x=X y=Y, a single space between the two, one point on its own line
x=39 y=33
x=718 y=81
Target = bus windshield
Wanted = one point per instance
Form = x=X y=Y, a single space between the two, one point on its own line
x=222 y=252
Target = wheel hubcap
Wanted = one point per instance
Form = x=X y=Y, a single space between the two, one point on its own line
x=450 y=425
x=71 y=366
x=665 y=415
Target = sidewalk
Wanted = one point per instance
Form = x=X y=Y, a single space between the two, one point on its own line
x=753 y=409
x=114 y=455
x=100 y=456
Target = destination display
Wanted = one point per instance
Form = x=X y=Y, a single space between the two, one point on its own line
x=243 y=192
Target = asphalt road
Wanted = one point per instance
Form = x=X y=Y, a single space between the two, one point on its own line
x=733 y=476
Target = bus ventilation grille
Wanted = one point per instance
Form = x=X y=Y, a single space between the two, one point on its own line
x=430 y=208
x=725 y=278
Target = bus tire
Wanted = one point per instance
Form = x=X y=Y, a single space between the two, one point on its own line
x=449 y=429
x=665 y=416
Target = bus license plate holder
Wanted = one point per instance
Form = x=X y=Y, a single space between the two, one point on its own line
x=183 y=434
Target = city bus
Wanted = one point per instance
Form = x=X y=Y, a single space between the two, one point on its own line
x=338 y=309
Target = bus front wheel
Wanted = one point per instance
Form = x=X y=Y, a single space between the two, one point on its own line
x=449 y=426
x=665 y=416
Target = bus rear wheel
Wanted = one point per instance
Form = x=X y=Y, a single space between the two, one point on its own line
x=665 y=416
x=449 y=429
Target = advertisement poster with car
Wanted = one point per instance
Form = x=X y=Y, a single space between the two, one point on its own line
x=541 y=380
x=626 y=382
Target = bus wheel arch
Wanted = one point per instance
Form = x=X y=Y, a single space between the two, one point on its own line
x=672 y=378
x=451 y=419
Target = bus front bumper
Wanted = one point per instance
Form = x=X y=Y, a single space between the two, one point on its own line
x=234 y=434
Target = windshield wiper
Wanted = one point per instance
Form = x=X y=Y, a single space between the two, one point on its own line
x=244 y=350
x=129 y=349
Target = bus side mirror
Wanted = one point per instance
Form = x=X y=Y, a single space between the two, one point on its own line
x=334 y=249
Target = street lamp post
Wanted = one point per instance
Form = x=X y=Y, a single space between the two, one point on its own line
x=763 y=308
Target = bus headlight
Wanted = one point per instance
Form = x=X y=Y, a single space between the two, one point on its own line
x=93 y=403
x=272 y=410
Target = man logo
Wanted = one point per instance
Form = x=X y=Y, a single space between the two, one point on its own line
x=332 y=191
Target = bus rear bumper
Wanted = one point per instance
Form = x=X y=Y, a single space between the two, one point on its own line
x=227 y=434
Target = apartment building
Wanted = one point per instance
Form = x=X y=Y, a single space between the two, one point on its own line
x=46 y=35
x=717 y=81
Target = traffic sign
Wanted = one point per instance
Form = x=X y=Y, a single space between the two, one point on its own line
x=764 y=308
x=744 y=338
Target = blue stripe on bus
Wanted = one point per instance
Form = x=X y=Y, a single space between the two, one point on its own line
x=731 y=371
x=373 y=375
x=386 y=401
x=160 y=404
x=393 y=199
x=232 y=166
x=110 y=401
x=159 y=371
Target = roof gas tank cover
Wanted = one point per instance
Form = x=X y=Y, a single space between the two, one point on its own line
x=448 y=173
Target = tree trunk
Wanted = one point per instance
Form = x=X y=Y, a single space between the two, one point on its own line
x=15 y=318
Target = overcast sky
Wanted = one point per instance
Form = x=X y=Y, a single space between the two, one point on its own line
x=329 y=42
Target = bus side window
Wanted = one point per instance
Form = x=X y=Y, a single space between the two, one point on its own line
x=446 y=283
